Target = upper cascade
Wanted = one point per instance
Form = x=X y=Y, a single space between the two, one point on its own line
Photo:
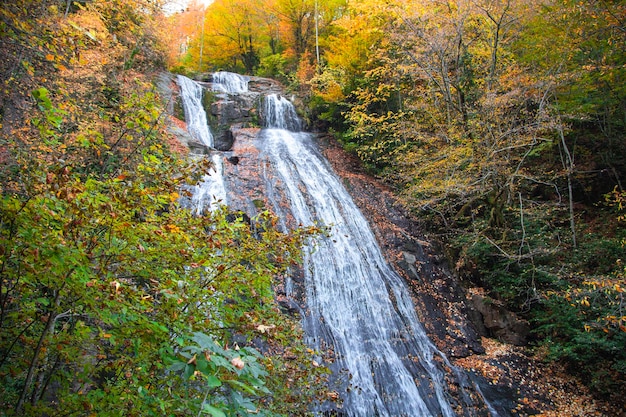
x=197 y=126
x=281 y=114
x=230 y=82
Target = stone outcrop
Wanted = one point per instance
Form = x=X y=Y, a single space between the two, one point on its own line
x=195 y=146
x=234 y=111
x=499 y=322
x=225 y=112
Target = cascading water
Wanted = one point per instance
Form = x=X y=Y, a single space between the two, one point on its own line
x=380 y=343
x=229 y=82
x=195 y=116
x=279 y=113
x=356 y=305
x=210 y=193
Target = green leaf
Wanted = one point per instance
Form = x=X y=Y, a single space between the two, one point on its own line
x=41 y=95
x=222 y=362
x=204 y=341
x=43 y=301
x=241 y=386
x=189 y=370
x=215 y=412
x=213 y=381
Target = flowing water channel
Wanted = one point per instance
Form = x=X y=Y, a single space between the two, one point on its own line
x=211 y=192
x=356 y=305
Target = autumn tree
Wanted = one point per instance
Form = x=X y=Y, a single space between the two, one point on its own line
x=181 y=29
x=299 y=18
x=233 y=35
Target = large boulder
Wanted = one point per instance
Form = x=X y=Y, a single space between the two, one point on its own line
x=227 y=109
x=265 y=86
x=499 y=322
x=195 y=146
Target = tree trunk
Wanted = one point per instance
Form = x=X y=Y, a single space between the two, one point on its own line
x=33 y=363
x=569 y=165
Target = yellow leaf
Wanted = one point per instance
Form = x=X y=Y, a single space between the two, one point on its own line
x=265 y=329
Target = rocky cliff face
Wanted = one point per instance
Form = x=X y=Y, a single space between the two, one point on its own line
x=229 y=112
x=438 y=293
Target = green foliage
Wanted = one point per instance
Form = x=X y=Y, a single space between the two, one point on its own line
x=327 y=100
x=219 y=381
x=592 y=30
x=580 y=328
x=273 y=66
x=52 y=117
x=574 y=298
x=113 y=299
x=116 y=262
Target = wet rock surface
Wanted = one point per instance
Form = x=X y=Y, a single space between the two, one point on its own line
x=439 y=299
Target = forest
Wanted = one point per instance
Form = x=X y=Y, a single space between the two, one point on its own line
x=499 y=124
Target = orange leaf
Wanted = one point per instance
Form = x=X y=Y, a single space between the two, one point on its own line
x=237 y=363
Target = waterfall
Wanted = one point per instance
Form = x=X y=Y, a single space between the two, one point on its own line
x=195 y=116
x=210 y=193
x=279 y=113
x=379 y=343
x=230 y=82
x=346 y=291
x=357 y=306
